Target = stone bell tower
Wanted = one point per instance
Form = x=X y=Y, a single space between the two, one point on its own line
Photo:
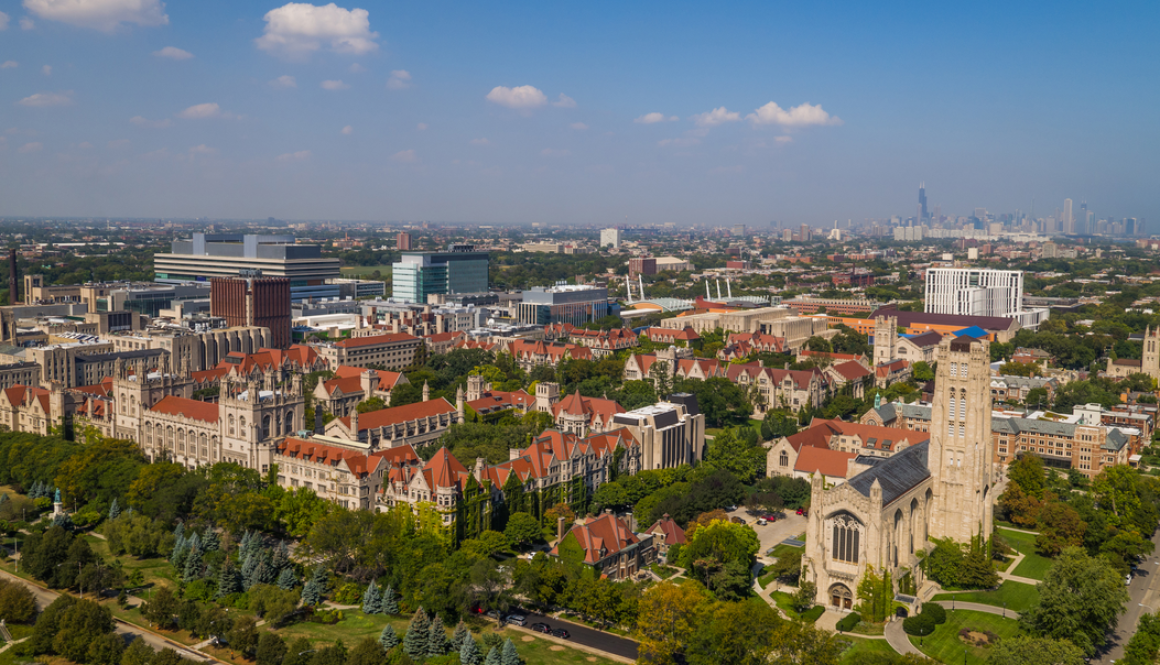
x=961 y=455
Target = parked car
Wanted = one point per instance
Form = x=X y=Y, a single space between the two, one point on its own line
x=1128 y=580
x=494 y=614
x=769 y=552
x=738 y=520
x=517 y=619
x=541 y=628
x=561 y=633
x=761 y=521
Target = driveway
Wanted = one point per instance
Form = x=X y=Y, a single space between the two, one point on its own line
x=771 y=534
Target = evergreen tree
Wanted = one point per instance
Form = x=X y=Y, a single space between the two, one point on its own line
x=459 y=635
x=509 y=656
x=249 y=566
x=287 y=580
x=4 y=497
x=469 y=652
x=114 y=509
x=280 y=557
x=316 y=588
x=229 y=581
x=493 y=657
x=371 y=602
x=180 y=550
x=194 y=544
x=415 y=641
x=192 y=565
x=388 y=639
x=437 y=641
x=389 y=604
x=179 y=532
x=265 y=573
x=210 y=542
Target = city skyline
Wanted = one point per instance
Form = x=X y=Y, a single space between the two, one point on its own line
x=613 y=115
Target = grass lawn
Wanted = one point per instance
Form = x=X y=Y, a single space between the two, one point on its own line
x=945 y=646
x=859 y=649
x=355 y=626
x=784 y=603
x=1018 y=596
x=359 y=271
x=1033 y=565
x=766 y=579
x=781 y=550
x=154 y=571
x=663 y=572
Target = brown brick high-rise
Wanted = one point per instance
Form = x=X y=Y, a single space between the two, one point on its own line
x=254 y=301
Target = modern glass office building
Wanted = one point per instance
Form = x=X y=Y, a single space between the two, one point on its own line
x=460 y=269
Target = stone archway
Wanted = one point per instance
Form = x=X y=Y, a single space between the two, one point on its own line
x=841 y=597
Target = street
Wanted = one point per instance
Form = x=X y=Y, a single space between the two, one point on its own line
x=1143 y=594
x=589 y=637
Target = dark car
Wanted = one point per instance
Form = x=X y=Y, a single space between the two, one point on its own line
x=561 y=633
x=541 y=628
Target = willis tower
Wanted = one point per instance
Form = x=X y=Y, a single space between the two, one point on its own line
x=923 y=215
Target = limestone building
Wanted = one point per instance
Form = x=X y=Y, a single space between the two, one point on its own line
x=1149 y=362
x=935 y=489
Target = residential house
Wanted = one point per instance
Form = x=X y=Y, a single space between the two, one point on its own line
x=609 y=546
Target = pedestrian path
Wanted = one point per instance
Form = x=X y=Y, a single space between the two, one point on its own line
x=899 y=641
x=977 y=607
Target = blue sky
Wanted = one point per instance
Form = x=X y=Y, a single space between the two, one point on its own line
x=453 y=111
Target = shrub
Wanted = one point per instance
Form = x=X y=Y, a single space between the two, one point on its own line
x=848 y=622
x=349 y=594
x=919 y=625
x=813 y=614
x=936 y=612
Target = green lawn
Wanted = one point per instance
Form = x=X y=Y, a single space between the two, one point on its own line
x=859 y=649
x=945 y=646
x=1018 y=596
x=359 y=271
x=755 y=424
x=785 y=603
x=156 y=571
x=1033 y=565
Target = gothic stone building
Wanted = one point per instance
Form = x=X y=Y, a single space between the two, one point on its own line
x=937 y=489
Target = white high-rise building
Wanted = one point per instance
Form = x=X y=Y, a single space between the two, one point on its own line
x=610 y=238
x=1068 y=220
x=974 y=291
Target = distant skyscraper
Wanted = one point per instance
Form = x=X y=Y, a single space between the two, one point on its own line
x=1068 y=220
x=922 y=214
x=610 y=238
x=403 y=241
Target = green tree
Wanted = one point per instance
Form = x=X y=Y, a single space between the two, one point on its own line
x=415 y=641
x=271 y=649
x=1060 y=526
x=669 y=615
x=161 y=609
x=522 y=530
x=738 y=451
x=1027 y=472
x=17 y=604
x=388 y=639
x=1079 y=600
x=107 y=649
x=734 y=633
x=79 y=625
x=1022 y=650
x=243 y=636
x=922 y=371
x=366 y=652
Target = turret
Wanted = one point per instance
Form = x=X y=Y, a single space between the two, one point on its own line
x=460 y=408
x=426 y=392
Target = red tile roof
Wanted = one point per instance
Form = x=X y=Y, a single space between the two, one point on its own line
x=671 y=532
x=395 y=415
x=828 y=462
x=578 y=405
x=496 y=400
x=607 y=533
x=851 y=370
x=190 y=408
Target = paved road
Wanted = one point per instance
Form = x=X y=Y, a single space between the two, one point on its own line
x=1143 y=598
x=977 y=607
x=589 y=637
x=898 y=639
x=44 y=598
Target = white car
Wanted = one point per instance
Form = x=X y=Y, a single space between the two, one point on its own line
x=1128 y=580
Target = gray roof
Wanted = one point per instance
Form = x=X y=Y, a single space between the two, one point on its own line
x=1116 y=440
x=892 y=410
x=121 y=355
x=897 y=474
x=1013 y=381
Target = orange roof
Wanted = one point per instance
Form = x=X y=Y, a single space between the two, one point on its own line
x=578 y=405
x=443 y=337
x=104 y=388
x=190 y=408
x=349 y=380
x=443 y=470
x=400 y=414
x=359 y=464
x=671 y=532
x=373 y=340
x=685 y=334
x=851 y=370
x=17 y=395
x=827 y=462
x=601 y=537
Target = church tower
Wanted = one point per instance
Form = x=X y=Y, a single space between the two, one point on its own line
x=1150 y=360
x=961 y=454
x=885 y=339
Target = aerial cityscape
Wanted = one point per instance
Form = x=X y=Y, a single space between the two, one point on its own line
x=545 y=335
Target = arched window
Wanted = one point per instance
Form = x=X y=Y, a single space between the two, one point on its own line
x=847 y=534
x=290 y=421
x=232 y=424
x=784 y=461
x=266 y=426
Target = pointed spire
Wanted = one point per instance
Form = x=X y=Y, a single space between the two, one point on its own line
x=426 y=392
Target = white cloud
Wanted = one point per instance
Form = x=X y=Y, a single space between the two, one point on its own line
x=299 y=156
x=85 y=145
x=521 y=97
x=47 y=99
x=284 y=81
x=142 y=121
x=26 y=23
x=480 y=142
x=348 y=130
x=804 y=115
x=104 y=15
x=3 y=21
x=35 y=146
x=406 y=156
x=356 y=68
x=578 y=126
x=9 y=64
x=46 y=70
x=173 y=53
x=716 y=117
x=784 y=139
x=421 y=126
x=565 y=102
x=202 y=149
x=334 y=85
x=654 y=117
x=297 y=29
x=552 y=152
x=119 y=143
x=400 y=79
x=201 y=111
x=684 y=142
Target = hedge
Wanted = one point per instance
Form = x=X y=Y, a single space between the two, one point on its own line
x=919 y=625
x=848 y=622
x=936 y=612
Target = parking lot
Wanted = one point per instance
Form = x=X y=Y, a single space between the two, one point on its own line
x=773 y=533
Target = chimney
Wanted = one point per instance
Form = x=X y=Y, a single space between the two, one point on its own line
x=559 y=528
